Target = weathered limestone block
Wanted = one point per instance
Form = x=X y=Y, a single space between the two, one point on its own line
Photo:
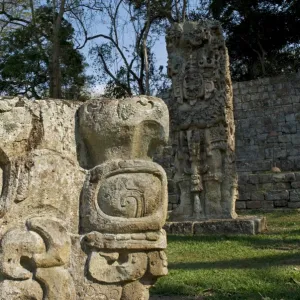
x=82 y=205
x=38 y=158
x=42 y=183
x=202 y=124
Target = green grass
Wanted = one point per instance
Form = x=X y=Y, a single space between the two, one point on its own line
x=265 y=266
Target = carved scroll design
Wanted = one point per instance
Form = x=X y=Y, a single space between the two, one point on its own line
x=94 y=218
x=34 y=260
x=116 y=244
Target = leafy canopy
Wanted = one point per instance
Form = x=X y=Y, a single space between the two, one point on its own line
x=25 y=58
x=263 y=36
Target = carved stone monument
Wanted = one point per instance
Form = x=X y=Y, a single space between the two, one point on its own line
x=202 y=124
x=82 y=204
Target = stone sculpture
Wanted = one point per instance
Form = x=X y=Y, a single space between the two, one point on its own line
x=202 y=127
x=124 y=200
x=105 y=244
x=202 y=121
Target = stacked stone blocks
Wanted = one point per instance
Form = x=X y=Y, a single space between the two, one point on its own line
x=269 y=190
x=267 y=118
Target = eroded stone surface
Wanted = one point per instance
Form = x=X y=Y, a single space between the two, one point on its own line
x=202 y=124
x=82 y=205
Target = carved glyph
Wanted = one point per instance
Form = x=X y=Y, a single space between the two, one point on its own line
x=201 y=121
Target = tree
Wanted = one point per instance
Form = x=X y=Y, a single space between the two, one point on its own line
x=13 y=14
x=26 y=59
x=262 y=36
x=17 y=14
x=128 y=65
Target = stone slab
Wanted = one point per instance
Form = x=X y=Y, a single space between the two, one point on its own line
x=250 y=225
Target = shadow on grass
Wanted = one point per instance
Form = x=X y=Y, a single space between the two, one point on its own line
x=256 y=242
x=284 y=232
x=247 y=263
x=288 y=293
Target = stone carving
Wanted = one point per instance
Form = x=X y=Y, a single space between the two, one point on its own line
x=38 y=163
x=124 y=198
x=202 y=122
x=36 y=255
x=82 y=204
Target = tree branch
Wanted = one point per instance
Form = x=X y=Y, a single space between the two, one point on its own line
x=114 y=78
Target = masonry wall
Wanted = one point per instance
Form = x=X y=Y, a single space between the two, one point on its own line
x=267 y=118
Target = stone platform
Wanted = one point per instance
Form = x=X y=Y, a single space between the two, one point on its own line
x=242 y=225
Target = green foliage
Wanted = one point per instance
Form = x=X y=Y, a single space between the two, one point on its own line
x=219 y=267
x=25 y=58
x=263 y=36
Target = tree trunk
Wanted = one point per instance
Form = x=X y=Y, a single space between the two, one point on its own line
x=184 y=10
x=55 y=72
x=146 y=60
x=55 y=77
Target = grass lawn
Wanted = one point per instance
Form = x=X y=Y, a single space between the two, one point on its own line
x=264 y=267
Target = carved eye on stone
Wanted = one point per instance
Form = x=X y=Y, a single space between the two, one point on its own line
x=148 y=104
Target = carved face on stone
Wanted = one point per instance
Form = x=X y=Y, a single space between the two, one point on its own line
x=200 y=36
x=193 y=82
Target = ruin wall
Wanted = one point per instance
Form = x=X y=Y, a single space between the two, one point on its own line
x=267 y=120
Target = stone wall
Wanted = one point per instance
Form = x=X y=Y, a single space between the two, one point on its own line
x=267 y=190
x=267 y=121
